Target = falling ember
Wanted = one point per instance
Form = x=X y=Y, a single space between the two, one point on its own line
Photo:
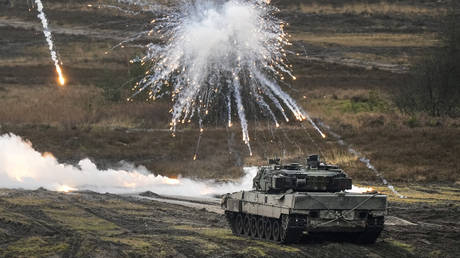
x=60 y=75
x=315 y=126
x=49 y=39
x=221 y=50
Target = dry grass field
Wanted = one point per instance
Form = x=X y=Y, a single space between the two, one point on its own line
x=370 y=8
x=84 y=119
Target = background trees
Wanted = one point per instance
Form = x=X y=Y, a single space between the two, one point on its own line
x=434 y=87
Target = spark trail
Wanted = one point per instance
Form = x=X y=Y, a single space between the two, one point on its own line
x=41 y=15
x=361 y=158
x=230 y=52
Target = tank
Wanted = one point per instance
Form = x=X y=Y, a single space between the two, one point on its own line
x=290 y=200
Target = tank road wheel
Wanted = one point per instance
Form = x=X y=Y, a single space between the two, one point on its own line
x=288 y=233
x=261 y=227
x=239 y=224
x=276 y=230
x=231 y=219
x=284 y=228
x=253 y=222
x=247 y=225
x=268 y=229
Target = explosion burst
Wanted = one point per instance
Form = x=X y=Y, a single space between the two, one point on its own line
x=218 y=53
x=41 y=15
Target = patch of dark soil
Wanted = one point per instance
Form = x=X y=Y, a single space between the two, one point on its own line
x=149 y=194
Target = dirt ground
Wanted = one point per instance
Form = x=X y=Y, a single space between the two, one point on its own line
x=352 y=56
x=85 y=224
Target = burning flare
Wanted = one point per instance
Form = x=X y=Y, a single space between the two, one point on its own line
x=49 y=39
x=60 y=75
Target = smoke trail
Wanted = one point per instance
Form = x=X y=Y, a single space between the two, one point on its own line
x=361 y=158
x=215 y=52
x=242 y=116
x=48 y=36
x=23 y=167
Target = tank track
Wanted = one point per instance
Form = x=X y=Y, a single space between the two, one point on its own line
x=371 y=233
x=369 y=236
x=282 y=230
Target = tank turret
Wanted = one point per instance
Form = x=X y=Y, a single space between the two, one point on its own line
x=315 y=176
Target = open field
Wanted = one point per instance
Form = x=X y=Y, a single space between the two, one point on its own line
x=348 y=57
x=42 y=223
x=355 y=101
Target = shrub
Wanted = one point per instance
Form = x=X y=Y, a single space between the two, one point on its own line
x=435 y=84
x=374 y=102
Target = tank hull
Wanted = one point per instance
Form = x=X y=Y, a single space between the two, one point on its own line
x=361 y=215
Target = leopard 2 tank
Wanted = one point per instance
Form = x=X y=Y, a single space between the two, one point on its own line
x=289 y=200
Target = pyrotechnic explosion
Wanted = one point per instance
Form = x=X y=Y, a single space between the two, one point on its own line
x=41 y=15
x=219 y=54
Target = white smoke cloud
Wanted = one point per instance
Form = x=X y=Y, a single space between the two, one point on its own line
x=23 y=167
